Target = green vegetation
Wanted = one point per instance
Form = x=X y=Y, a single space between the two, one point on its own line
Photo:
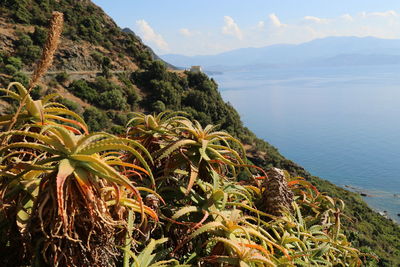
x=164 y=194
x=153 y=88
x=105 y=94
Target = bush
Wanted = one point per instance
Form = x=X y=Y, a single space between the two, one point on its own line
x=157 y=70
x=15 y=61
x=39 y=36
x=113 y=99
x=117 y=129
x=21 y=13
x=102 y=85
x=96 y=119
x=10 y=69
x=26 y=49
x=21 y=78
x=33 y=52
x=132 y=96
x=158 y=106
x=117 y=117
x=98 y=57
x=81 y=89
x=62 y=77
x=165 y=92
x=70 y=104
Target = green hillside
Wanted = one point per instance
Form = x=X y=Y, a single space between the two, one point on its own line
x=104 y=74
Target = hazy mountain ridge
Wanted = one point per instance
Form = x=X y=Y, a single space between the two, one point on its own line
x=319 y=52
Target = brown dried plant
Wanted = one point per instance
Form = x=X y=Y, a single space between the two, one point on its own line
x=53 y=37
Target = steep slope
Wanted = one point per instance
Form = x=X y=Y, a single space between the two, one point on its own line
x=105 y=73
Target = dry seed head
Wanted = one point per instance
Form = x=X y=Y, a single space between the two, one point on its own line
x=53 y=37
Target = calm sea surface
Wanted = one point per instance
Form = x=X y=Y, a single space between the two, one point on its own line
x=342 y=124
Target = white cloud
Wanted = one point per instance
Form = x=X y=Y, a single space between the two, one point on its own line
x=148 y=34
x=231 y=28
x=315 y=19
x=270 y=30
x=389 y=13
x=186 y=32
x=347 y=17
x=275 y=21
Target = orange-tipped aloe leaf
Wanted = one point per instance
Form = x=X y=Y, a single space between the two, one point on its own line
x=65 y=169
x=258 y=247
x=77 y=123
x=126 y=164
x=194 y=172
x=81 y=176
x=139 y=207
x=95 y=148
x=63 y=111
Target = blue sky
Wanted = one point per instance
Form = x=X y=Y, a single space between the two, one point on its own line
x=214 y=26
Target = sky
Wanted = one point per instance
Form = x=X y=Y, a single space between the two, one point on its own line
x=205 y=27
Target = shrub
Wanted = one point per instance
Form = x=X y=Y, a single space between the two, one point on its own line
x=117 y=129
x=118 y=118
x=165 y=92
x=10 y=69
x=39 y=36
x=96 y=119
x=82 y=89
x=113 y=99
x=70 y=104
x=103 y=85
x=158 y=106
x=62 y=77
x=21 y=78
x=98 y=57
x=21 y=13
x=15 y=61
x=26 y=49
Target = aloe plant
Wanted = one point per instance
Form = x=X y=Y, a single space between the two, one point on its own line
x=166 y=194
x=42 y=111
x=53 y=173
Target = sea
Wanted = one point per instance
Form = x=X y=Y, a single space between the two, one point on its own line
x=340 y=123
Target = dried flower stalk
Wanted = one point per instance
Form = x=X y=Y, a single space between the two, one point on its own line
x=53 y=37
x=49 y=49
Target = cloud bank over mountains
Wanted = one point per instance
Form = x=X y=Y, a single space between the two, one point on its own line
x=231 y=34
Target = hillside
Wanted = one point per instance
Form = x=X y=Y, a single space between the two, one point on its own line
x=105 y=73
x=330 y=51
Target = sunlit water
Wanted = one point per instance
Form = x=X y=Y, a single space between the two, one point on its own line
x=342 y=124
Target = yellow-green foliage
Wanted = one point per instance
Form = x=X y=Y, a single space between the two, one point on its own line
x=164 y=194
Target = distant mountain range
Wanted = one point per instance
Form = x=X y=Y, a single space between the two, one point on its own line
x=331 y=51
